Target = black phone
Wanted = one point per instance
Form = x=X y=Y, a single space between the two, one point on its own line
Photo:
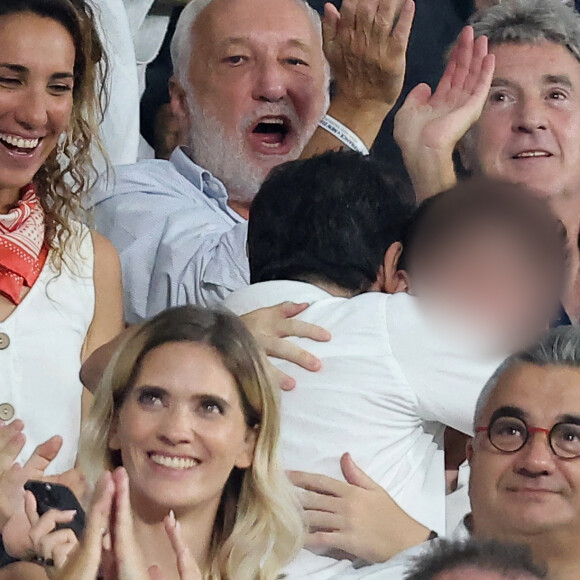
x=55 y=496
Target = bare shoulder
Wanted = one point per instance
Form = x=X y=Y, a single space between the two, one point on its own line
x=108 y=317
x=105 y=252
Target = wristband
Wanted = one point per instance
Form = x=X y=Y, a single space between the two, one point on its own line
x=343 y=134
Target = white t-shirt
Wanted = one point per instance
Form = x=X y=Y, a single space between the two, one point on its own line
x=390 y=383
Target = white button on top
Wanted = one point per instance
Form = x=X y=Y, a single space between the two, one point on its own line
x=6 y=412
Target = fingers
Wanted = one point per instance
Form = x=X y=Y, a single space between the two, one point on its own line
x=318 y=483
x=418 y=97
x=123 y=519
x=98 y=518
x=43 y=455
x=290 y=309
x=330 y=23
x=11 y=443
x=402 y=31
x=301 y=329
x=285 y=350
x=322 y=521
x=321 y=542
x=186 y=565
x=463 y=56
x=56 y=546
x=284 y=381
x=483 y=84
x=314 y=501
x=347 y=15
x=47 y=523
x=155 y=573
x=480 y=50
x=355 y=475
x=30 y=508
x=364 y=16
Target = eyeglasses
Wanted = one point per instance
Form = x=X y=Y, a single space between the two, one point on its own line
x=510 y=434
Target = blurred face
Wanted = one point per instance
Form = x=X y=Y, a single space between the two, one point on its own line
x=257 y=89
x=529 y=131
x=515 y=496
x=487 y=279
x=181 y=429
x=37 y=58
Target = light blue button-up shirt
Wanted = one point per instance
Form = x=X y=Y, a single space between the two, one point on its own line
x=179 y=241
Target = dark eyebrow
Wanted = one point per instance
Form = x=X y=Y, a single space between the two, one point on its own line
x=508 y=411
x=574 y=419
x=217 y=398
x=62 y=75
x=501 y=82
x=557 y=80
x=17 y=68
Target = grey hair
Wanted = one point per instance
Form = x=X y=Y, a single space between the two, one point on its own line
x=529 y=21
x=182 y=41
x=559 y=346
x=509 y=560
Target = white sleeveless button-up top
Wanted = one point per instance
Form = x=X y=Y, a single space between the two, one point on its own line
x=40 y=358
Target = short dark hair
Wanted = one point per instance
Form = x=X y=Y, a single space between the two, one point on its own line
x=445 y=219
x=490 y=556
x=330 y=218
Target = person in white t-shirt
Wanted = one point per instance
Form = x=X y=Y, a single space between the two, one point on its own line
x=398 y=369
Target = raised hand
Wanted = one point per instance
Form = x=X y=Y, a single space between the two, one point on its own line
x=429 y=126
x=366 y=44
x=14 y=476
x=83 y=562
x=357 y=518
x=270 y=327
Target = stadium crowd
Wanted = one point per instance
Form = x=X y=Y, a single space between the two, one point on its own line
x=324 y=324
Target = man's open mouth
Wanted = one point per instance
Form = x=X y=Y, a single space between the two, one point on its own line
x=272 y=132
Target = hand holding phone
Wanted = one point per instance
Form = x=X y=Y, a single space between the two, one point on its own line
x=56 y=496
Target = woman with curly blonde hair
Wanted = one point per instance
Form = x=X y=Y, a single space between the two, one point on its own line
x=60 y=289
x=187 y=411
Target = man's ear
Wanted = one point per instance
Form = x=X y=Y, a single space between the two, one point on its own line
x=246 y=456
x=178 y=100
x=393 y=280
x=465 y=150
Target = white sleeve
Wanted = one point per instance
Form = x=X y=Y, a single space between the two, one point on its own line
x=445 y=373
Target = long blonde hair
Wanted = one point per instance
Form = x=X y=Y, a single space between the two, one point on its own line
x=258 y=528
x=68 y=172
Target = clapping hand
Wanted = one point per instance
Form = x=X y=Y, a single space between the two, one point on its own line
x=109 y=545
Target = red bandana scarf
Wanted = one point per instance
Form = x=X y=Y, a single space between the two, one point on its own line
x=22 y=248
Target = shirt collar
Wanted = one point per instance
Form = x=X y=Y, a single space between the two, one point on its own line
x=203 y=180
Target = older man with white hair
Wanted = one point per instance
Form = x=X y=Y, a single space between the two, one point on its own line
x=250 y=87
